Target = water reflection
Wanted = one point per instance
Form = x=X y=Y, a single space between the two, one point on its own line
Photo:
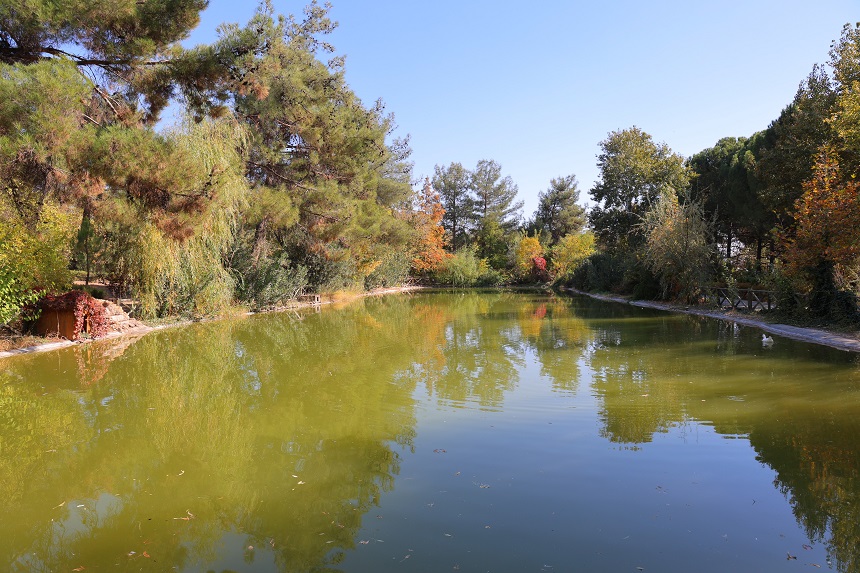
x=266 y=443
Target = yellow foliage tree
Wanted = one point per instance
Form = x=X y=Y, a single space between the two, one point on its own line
x=571 y=251
x=528 y=249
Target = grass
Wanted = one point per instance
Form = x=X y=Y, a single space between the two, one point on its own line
x=11 y=341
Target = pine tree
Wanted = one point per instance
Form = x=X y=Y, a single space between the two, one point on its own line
x=558 y=211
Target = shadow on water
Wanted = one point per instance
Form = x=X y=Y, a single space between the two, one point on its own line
x=265 y=443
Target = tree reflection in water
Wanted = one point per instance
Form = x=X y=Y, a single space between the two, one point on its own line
x=263 y=442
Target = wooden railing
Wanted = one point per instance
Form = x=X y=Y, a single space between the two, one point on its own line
x=743 y=298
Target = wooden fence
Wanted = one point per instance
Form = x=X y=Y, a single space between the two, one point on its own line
x=742 y=298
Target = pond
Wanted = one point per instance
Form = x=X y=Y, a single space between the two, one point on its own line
x=434 y=432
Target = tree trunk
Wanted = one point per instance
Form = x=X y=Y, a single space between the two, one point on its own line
x=260 y=240
x=729 y=245
x=758 y=250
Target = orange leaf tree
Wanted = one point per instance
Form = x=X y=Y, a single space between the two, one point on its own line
x=826 y=238
x=430 y=251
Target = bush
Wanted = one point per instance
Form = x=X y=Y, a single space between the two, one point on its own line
x=600 y=272
x=270 y=283
x=391 y=271
x=89 y=314
x=528 y=249
x=32 y=259
x=571 y=252
x=465 y=269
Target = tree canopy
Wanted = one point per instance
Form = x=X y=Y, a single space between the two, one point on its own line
x=558 y=211
x=634 y=171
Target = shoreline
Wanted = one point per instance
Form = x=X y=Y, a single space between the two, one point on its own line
x=325 y=299
x=835 y=340
x=839 y=341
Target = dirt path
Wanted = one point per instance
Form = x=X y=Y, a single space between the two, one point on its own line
x=841 y=341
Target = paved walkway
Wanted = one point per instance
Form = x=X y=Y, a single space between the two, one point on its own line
x=814 y=335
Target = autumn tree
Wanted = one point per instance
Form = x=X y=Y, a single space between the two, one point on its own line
x=528 y=249
x=824 y=250
x=430 y=252
x=570 y=252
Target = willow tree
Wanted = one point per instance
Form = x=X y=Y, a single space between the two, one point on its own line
x=678 y=246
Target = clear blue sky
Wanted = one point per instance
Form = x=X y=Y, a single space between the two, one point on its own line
x=537 y=85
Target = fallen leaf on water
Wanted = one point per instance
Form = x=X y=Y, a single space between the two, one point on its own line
x=145 y=554
x=807 y=547
x=61 y=505
x=440 y=451
x=815 y=565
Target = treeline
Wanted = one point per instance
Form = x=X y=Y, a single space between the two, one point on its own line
x=779 y=208
x=489 y=242
x=279 y=179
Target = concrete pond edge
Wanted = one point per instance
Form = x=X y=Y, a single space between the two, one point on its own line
x=812 y=335
x=804 y=334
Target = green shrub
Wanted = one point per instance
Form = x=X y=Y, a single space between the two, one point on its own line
x=466 y=269
x=600 y=272
x=392 y=270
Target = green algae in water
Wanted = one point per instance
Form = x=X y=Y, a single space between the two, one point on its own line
x=433 y=432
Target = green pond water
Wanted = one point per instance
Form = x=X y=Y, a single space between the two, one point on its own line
x=434 y=432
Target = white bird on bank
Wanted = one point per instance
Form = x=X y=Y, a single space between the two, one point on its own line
x=766 y=340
